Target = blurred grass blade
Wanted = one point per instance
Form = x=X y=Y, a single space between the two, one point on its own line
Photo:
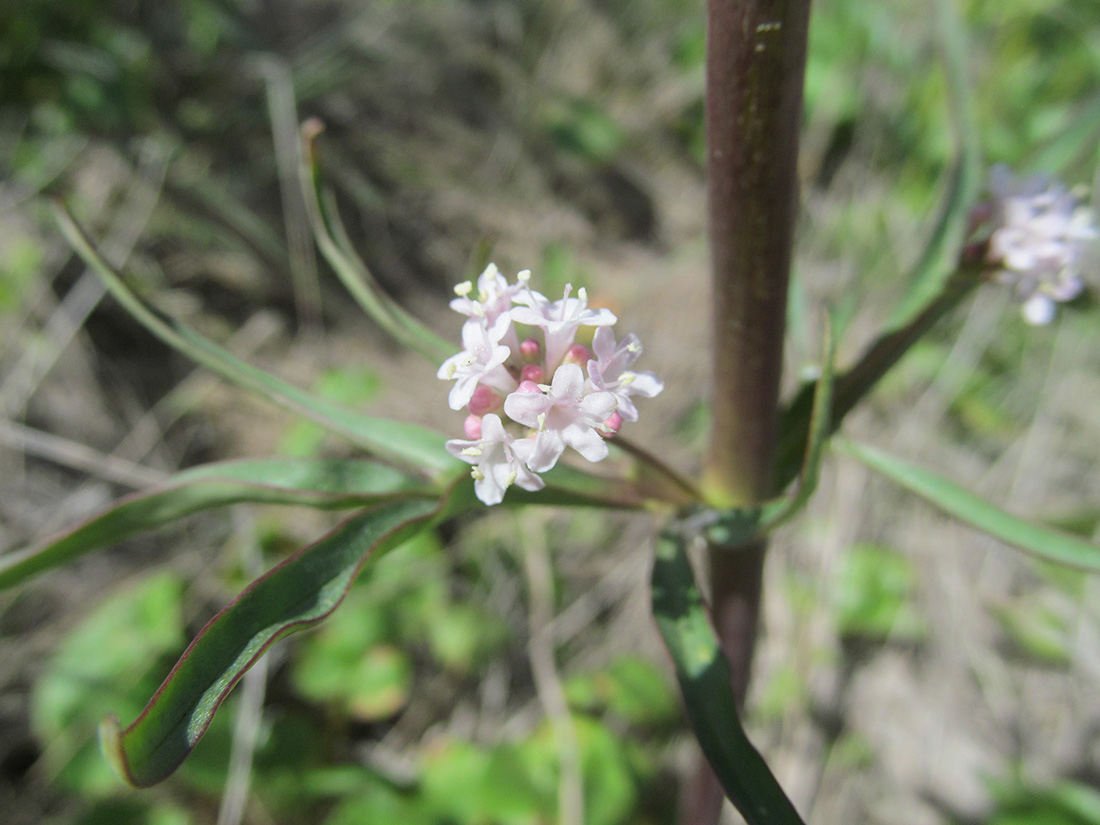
x=1045 y=542
x=704 y=677
x=298 y=593
x=406 y=444
x=333 y=241
x=324 y=484
x=940 y=254
x=820 y=428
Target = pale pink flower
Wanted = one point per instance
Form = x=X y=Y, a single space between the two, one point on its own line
x=608 y=371
x=1039 y=233
x=499 y=460
x=516 y=426
x=559 y=319
x=480 y=362
x=494 y=295
x=565 y=415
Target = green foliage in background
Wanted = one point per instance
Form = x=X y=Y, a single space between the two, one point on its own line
x=400 y=620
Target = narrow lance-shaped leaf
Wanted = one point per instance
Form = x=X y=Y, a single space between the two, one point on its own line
x=335 y=245
x=780 y=510
x=970 y=508
x=940 y=254
x=704 y=677
x=403 y=443
x=300 y=592
x=324 y=484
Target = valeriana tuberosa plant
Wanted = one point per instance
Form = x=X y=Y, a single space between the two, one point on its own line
x=549 y=388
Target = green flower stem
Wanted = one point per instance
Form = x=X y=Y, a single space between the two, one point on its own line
x=657 y=478
x=756 y=55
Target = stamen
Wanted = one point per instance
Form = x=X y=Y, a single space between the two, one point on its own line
x=463 y=289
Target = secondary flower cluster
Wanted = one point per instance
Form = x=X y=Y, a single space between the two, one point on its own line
x=530 y=389
x=1039 y=234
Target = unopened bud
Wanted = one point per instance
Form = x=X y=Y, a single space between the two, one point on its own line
x=529 y=387
x=532 y=373
x=611 y=425
x=577 y=354
x=529 y=349
x=484 y=400
x=472 y=425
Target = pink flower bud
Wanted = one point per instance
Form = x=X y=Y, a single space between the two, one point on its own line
x=611 y=425
x=484 y=400
x=577 y=354
x=533 y=373
x=528 y=387
x=473 y=427
x=529 y=349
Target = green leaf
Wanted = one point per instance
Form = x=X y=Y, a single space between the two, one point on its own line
x=298 y=593
x=955 y=500
x=409 y=445
x=332 y=239
x=819 y=429
x=324 y=484
x=704 y=677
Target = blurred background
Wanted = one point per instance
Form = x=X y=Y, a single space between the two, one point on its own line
x=910 y=670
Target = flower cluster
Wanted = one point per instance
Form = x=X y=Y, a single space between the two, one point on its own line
x=530 y=389
x=1039 y=232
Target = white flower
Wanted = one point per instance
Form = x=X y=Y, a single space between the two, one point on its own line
x=498 y=379
x=498 y=459
x=480 y=362
x=1039 y=234
x=609 y=371
x=494 y=295
x=559 y=319
x=564 y=415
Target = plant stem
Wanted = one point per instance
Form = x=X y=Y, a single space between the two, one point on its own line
x=755 y=57
x=756 y=54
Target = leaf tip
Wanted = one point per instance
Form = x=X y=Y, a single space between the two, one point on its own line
x=110 y=742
